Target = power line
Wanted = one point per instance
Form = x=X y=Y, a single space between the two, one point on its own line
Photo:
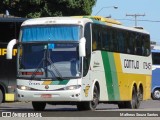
x=140 y=20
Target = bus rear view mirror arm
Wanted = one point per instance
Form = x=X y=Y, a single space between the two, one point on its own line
x=10 y=48
x=82 y=50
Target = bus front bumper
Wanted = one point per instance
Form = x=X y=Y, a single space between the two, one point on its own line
x=66 y=95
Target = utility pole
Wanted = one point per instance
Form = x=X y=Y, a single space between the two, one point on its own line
x=135 y=16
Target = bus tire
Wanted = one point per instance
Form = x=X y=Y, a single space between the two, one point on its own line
x=91 y=105
x=156 y=94
x=140 y=94
x=1 y=96
x=135 y=102
x=122 y=105
x=38 y=106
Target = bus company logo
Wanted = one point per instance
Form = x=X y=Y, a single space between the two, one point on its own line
x=46 y=87
x=96 y=64
x=33 y=83
x=6 y=114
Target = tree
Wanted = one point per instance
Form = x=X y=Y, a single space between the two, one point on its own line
x=43 y=8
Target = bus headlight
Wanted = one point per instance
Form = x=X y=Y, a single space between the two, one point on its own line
x=72 y=87
x=22 y=87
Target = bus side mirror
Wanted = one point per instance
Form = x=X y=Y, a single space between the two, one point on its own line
x=10 y=48
x=82 y=50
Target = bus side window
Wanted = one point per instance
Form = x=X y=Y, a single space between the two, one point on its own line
x=138 y=44
x=96 y=37
x=131 y=43
x=121 y=41
x=110 y=38
x=134 y=44
x=105 y=44
x=143 y=45
x=127 y=47
x=99 y=40
x=146 y=46
x=94 y=42
x=115 y=42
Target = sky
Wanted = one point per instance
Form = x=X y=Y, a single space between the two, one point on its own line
x=151 y=8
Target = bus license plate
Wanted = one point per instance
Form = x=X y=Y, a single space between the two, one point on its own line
x=46 y=95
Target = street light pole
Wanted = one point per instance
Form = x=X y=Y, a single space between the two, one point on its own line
x=115 y=7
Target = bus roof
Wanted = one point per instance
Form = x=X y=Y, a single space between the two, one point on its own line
x=52 y=20
x=102 y=19
x=155 y=48
x=55 y=20
x=81 y=20
x=155 y=51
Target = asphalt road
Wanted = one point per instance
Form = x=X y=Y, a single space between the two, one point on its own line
x=148 y=109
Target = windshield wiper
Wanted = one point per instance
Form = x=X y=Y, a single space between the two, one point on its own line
x=53 y=66
x=38 y=67
x=46 y=59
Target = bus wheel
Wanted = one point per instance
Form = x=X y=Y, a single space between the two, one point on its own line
x=38 y=106
x=1 y=96
x=122 y=105
x=91 y=105
x=156 y=94
x=140 y=95
x=135 y=102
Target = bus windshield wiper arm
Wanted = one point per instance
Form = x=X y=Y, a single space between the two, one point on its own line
x=46 y=59
x=38 y=67
x=54 y=67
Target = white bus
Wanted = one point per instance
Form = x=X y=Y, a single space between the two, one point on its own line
x=82 y=61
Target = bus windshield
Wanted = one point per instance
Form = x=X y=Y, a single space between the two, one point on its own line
x=51 y=33
x=53 y=60
x=50 y=50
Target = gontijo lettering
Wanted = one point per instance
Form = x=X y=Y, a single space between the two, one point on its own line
x=131 y=64
x=3 y=51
